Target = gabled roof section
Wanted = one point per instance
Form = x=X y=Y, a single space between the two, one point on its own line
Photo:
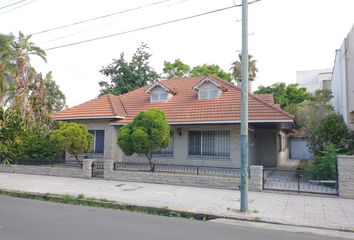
x=266 y=97
x=208 y=79
x=103 y=107
x=159 y=84
x=183 y=108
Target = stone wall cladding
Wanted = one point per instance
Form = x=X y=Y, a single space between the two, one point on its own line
x=42 y=170
x=346 y=176
x=222 y=182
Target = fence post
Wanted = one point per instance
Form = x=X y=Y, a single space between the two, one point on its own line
x=108 y=168
x=87 y=167
x=256 y=178
x=298 y=180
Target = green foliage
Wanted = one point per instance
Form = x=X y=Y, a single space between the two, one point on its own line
x=72 y=138
x=331 y=131
x=309 y=113
x=54 y=97
x=177 y=69
x=286 y=95
x=210 y=70
x=325 y=166
x=148 y=132
x=127 y=76
x=252 y=69
x=20 y=141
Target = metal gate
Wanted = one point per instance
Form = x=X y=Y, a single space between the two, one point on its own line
x=98 y=169
x=297 y=181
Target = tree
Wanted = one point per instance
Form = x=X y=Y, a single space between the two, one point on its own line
x=252 y=69
x=177 y=69
x=23 y=48
x=331 y=130
x=310 y=113
x=7 y=67
x=54 y=97
x=210 y=70
x=127 y=76
x=148 y=132
x=286 y=95
x=72 y=138
x=325 y=166
x=17 y=140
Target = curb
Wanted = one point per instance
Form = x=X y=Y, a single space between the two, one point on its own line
x=91 y=202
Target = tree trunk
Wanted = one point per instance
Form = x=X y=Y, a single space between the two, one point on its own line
x=21 y=99
x=151 y=162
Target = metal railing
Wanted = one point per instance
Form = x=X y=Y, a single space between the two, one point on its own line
x=298 y=181
x=55 y=162
x=174 y=168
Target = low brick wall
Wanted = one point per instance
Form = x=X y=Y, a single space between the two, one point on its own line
x=346 y=176
x=43 y=170
x=222 y=182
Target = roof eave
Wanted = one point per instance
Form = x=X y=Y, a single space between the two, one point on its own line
x=86 y=118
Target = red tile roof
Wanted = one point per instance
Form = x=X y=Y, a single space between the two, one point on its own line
x=184 y=106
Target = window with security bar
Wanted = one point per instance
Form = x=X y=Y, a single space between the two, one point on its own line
x=210 y=144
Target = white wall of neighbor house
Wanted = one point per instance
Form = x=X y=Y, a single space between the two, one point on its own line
x=343 y=80
x=316 y=79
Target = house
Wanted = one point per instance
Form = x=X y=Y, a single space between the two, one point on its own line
x=343 y=80
x=204 y=115
x=316 y=79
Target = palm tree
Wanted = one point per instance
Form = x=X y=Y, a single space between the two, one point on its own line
x=7 y=68
x=236 y=69
x=23 y=48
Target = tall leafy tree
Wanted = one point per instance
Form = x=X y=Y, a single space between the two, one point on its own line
x=148 y=132
x=286 y=95
x=176 y=69
x=252 y=68
x=210 y=70
x=54 y=98
x=23 y=48
x=7 y=67
x=126 y=76
x=310 y=113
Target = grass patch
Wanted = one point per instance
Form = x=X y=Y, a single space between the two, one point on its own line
x=104 y=203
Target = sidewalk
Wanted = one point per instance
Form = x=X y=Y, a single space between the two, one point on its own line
x=299 y=210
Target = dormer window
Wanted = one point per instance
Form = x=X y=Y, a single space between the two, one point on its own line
x=211 y=93
x=159 y=92
x=208 y=89
x=158 y=96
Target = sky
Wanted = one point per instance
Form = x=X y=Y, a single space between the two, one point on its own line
x=285 y=36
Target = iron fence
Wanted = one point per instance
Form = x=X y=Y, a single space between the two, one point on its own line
x=55 y=162
x=98 y=169
x=171 y=168
x=298 y=181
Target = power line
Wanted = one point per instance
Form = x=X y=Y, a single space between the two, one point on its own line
x=148 y=27
x=100 y=17
x=12 y=9
x=11 y=4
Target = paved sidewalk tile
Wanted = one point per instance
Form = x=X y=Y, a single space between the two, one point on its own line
x=313 y=211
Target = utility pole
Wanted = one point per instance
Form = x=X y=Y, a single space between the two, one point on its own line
x=244 y=109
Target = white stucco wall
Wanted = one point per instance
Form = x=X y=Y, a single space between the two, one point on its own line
x=343 y=79
x=313 y=79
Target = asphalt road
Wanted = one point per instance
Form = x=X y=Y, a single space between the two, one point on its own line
x=23 y=219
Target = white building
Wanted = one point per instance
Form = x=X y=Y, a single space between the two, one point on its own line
x=314 y=79
x=343 y=80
